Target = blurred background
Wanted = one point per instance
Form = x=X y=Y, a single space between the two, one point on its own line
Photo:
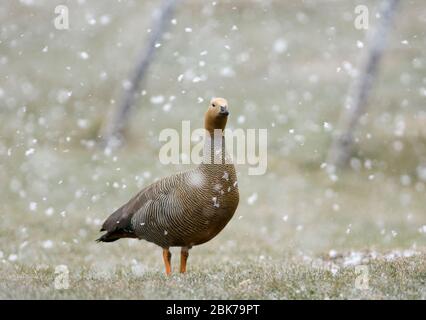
x=282 y=65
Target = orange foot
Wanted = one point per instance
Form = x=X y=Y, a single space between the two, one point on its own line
x=167 y=257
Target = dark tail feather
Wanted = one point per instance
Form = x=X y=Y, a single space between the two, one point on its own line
x=115 y=235
x=107 y=238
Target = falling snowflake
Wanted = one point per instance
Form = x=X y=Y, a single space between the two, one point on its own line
x=84 y=55
x=252 y=199
x=48 y=244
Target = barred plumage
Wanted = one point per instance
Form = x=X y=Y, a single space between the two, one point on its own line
x=187 y=208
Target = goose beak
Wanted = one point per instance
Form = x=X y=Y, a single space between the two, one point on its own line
x=223 y=111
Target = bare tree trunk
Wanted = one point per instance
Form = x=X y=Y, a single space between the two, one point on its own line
x=360 y=89
x=112 y=131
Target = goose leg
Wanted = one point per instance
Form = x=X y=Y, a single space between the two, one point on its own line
x=167 y=256
x=184 y=253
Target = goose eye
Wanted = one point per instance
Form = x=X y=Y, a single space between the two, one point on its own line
x=213 y=105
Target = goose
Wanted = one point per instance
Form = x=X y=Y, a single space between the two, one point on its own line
x=188 y=208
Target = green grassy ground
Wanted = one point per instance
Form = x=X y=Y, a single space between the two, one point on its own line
x=293 y=242
x=299 y=232
x=251 y=278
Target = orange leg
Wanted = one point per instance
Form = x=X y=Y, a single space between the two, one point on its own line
x=183 y=258
x=167 y=256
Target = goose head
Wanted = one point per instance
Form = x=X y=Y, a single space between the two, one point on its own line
x=216 y=115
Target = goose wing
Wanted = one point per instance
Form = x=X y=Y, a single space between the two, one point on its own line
x=118 y=225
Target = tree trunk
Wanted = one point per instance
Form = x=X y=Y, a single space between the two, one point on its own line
x=112 y=136
x=356 y=103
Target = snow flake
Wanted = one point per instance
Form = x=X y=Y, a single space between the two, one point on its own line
x=332 y=253
x=227 y=72
x=280 y=46
x=63 y=95
x=215 y=202
x=196 y=179
x=12 y=257
x=105 y=19
x=355 y=258
x=84 y=55
x=91 y=21
x=252 y=199
x=138 y=270
x=49 y=211
x=225 y=176
x=241 y=119
x=157 y=99
x=48 y=244
x=33 y=206
x=327 y=127
x=167 y=107
x=29 y=152
x=83 y=123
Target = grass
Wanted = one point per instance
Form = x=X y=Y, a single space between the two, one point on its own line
x=286 y=245
x=289 y=278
